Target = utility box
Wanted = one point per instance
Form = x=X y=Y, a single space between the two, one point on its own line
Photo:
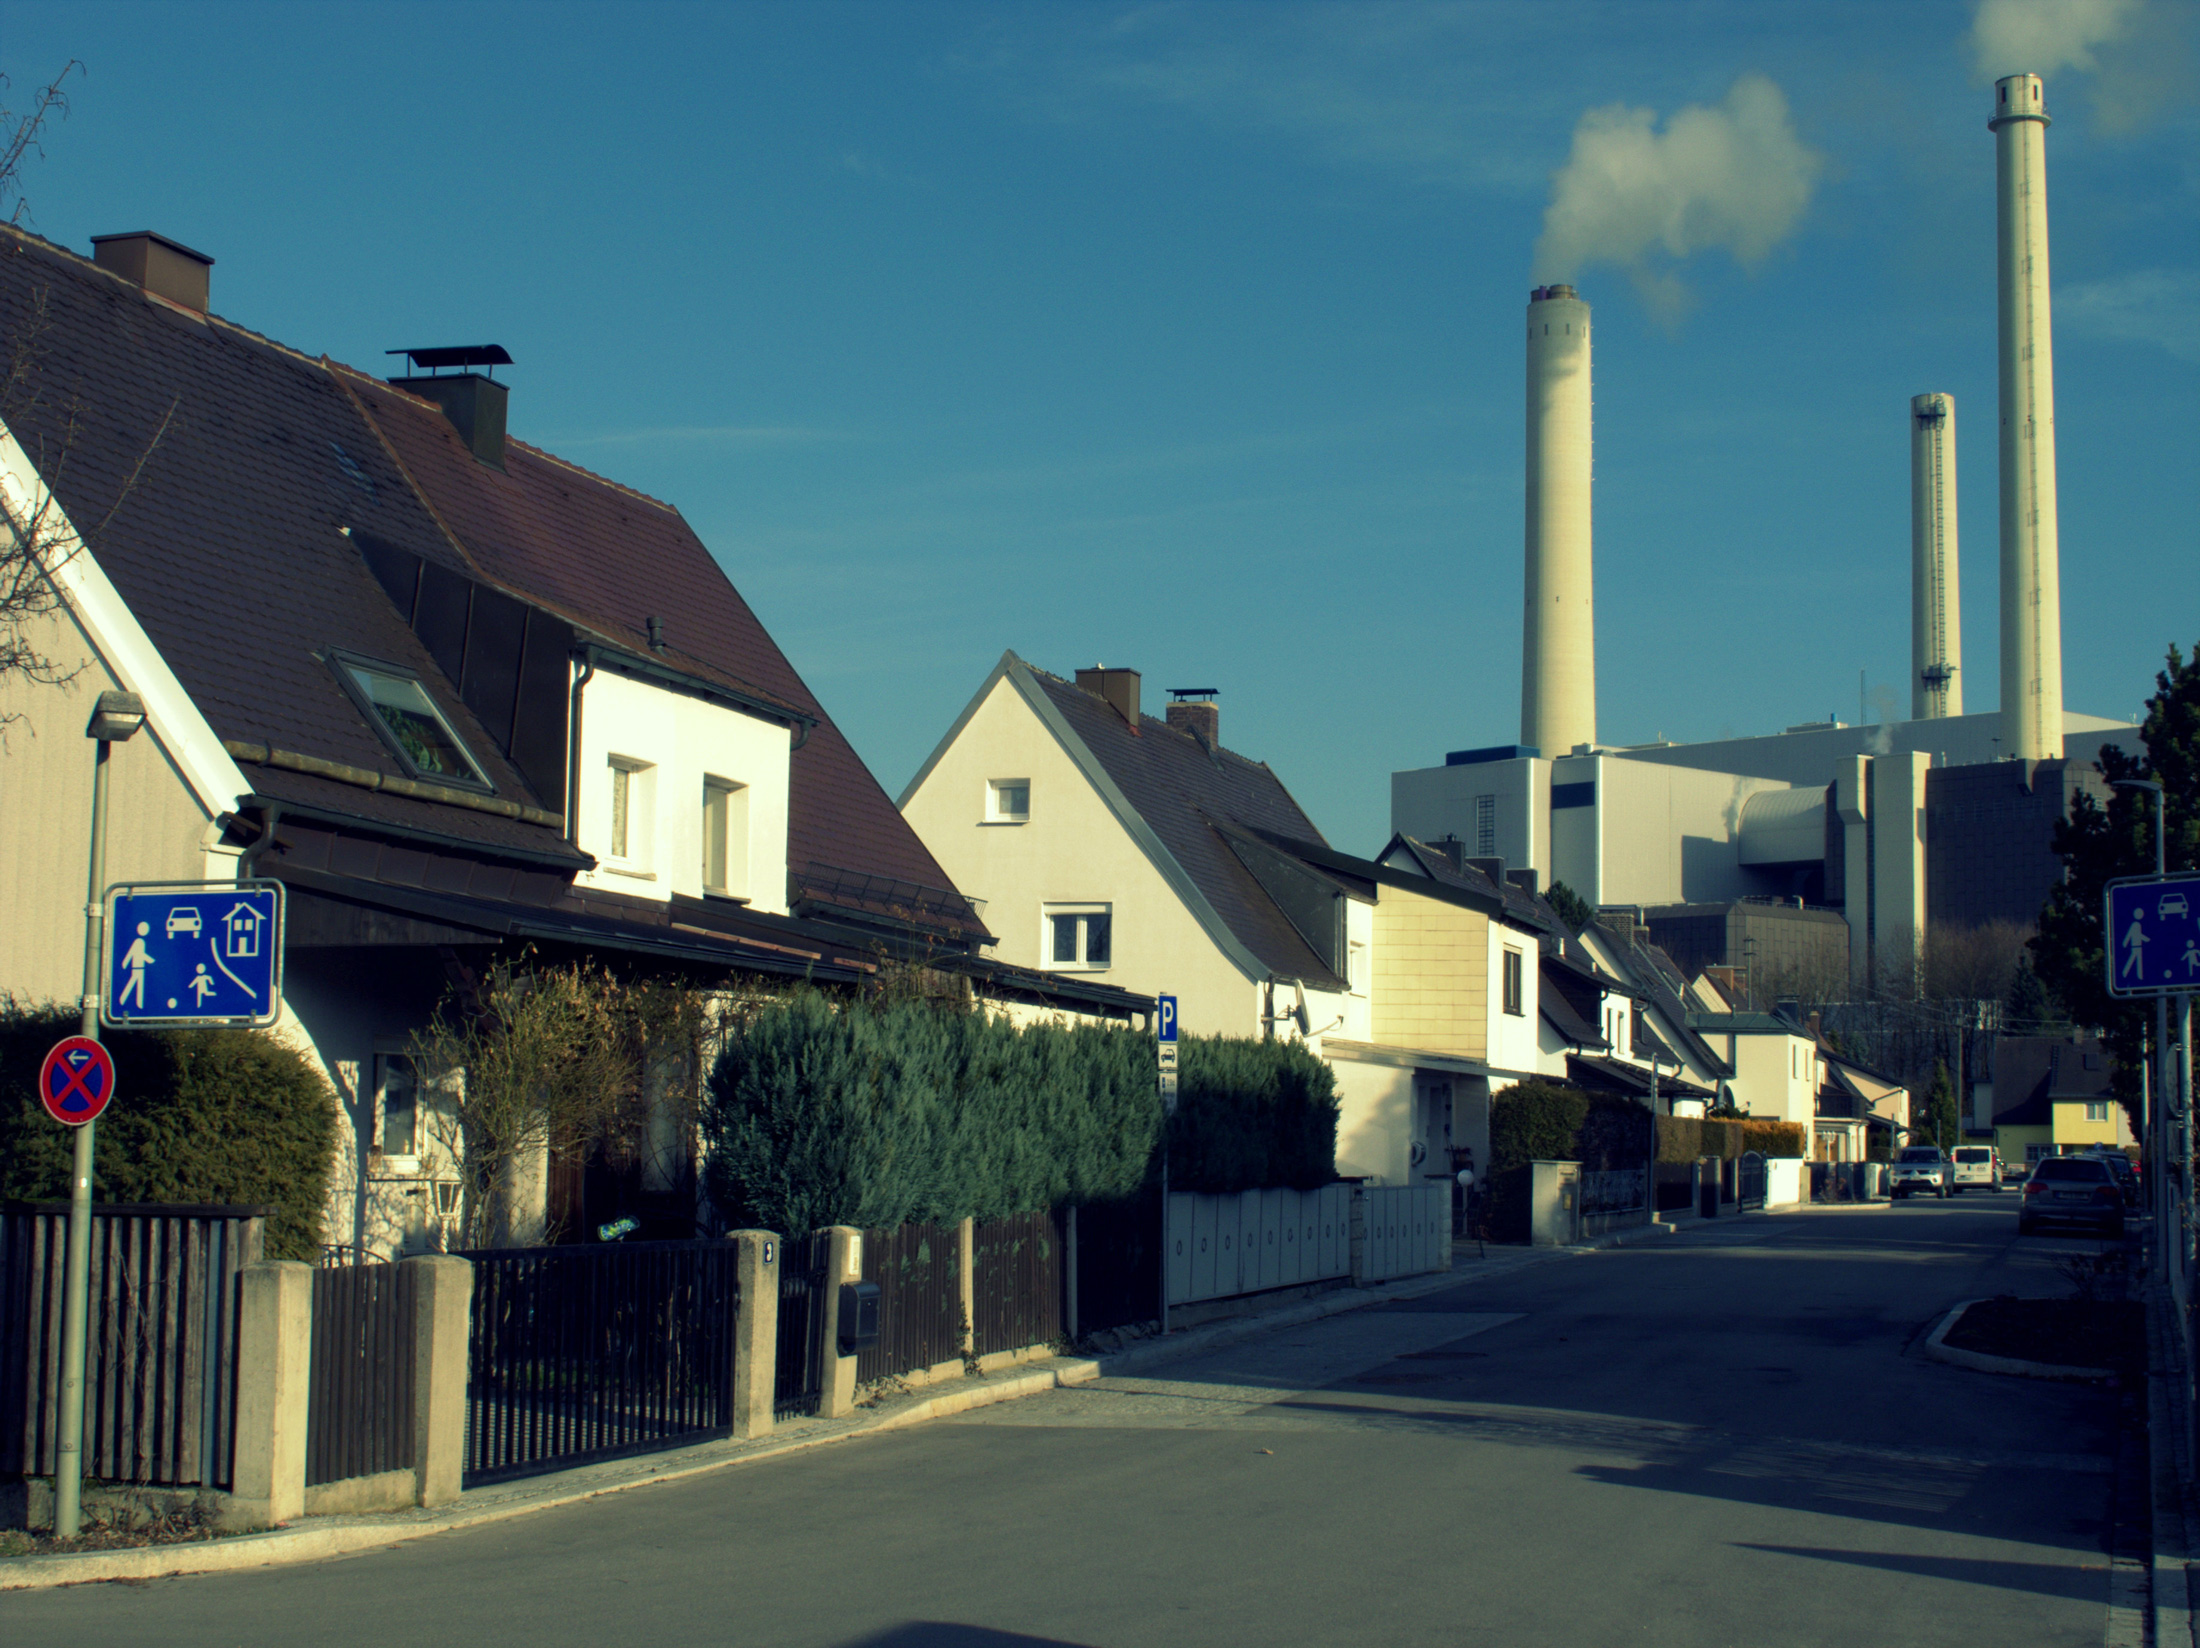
x=1554 y=1203
x=858 y=1316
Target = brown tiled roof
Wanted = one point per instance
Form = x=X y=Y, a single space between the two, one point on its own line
x=229 y=549
x=611 y=558
x=227 y=546
x=1183 y=788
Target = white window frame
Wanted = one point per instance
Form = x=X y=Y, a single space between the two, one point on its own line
x=997 y=811
x=387 y=1065
x=1050 y=913
x=1355 y=966
x=1512 y=985
x=353 y=671
x=725 y=825
x=634 y=780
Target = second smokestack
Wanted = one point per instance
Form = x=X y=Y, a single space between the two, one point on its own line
x=1936 y=616
x=1558 y=686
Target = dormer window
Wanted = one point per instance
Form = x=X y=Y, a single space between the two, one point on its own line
x=397 y=707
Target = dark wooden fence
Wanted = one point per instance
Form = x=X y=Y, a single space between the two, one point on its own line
x=359 y=1401
x=586 y=1353
x=1118 y=1263
x=919 y=1272
x=1016 y=1282
x=160 y=1365
x=805 y=1306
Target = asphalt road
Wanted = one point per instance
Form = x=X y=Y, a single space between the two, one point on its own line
x=1727 y=1437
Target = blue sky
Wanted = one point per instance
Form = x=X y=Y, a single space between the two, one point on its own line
x=1187 y=337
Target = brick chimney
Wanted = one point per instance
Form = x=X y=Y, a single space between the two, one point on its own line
x=1194 y=710
x=1118 y=686
x=165 y=268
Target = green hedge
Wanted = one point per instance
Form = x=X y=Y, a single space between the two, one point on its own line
x=1685 y=1138
x=1543 y=1122
x=821 y=1111
x=208 y=1116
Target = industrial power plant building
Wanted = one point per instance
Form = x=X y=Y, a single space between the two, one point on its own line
x=1943 y=821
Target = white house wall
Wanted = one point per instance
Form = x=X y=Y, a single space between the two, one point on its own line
x=683 y=740
x=1073 y=850
x=1512 y=1036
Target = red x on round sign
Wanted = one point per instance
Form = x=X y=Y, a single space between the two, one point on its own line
x=76 y=1081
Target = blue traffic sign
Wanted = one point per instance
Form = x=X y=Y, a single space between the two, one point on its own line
x=194 y=952
x=2154 y=935
x=1164 y=1018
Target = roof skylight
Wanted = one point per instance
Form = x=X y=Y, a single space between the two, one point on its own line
x=399 y=708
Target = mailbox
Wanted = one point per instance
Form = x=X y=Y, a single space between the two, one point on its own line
x=858 y=1316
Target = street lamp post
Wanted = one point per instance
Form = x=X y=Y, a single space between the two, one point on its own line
x=2158 y=1120
x=116 y=718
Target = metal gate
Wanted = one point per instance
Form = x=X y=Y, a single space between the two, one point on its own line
x=359 y=1397
x=805 y=1306
x=1750 y=1180
x=587 y=1353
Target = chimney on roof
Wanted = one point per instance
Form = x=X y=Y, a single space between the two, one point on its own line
x=163 y=267
x=1118 y=686
x=1194 y=710
x=473 y=401
x=1525 y=880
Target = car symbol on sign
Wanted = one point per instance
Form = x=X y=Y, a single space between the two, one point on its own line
x=2173 y=904
x=183 y=919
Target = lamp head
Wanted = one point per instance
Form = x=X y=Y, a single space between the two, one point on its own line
x=116 y=717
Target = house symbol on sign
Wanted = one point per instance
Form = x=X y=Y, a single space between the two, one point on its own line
x=242 y=927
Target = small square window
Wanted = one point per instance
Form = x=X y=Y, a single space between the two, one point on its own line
x=1008 y=801
x=1080 y=938
x=398 y=707
x=2096 y=1110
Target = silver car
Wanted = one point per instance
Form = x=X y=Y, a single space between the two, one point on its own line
x=1920 y=1170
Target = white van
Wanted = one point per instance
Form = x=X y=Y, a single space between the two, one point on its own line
x=1977 y=1166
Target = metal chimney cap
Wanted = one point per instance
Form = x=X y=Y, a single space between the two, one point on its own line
x=459 y=355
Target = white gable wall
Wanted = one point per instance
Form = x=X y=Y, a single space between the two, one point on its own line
x=1073 y=850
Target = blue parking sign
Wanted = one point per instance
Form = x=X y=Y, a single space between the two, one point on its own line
x=1164 y=1020
x=2153 y=936
x=194 y=952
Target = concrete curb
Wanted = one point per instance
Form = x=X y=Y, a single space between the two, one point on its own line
x=1936 y=1349
x=325 y=1537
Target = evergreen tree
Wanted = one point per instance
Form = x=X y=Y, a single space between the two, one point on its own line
x=2097 y=844
x=2030 y=1010
x=1939 y=1122
x=1570 y=906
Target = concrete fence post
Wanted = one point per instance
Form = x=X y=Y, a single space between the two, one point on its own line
x=966 y=1239
x=757 y=1257
x=844 y=1263
x=443 y=1326
x=274 y=1361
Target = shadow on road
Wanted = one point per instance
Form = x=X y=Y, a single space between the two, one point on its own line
x=2077 y=1584
x=934 y=1633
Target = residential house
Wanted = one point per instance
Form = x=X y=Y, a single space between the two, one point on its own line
x=1108 y=843
x=1629 y=994
x=465 y=700
x=2052 y=1095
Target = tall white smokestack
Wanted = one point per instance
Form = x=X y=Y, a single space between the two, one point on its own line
x=1558 y=684
x=2031 y=578
x=1936 y=616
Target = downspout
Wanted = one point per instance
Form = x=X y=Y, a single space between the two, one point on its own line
x=573 y=753
x=270 y=816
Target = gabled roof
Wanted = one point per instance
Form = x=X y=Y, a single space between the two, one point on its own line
x=1181 y=800
x=1519 y=906
x=1559 y=1014
x=229 y=485
x=2031 y=1073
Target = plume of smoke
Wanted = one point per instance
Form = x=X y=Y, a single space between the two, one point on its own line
x=1733 y=176
x=2136 y=54
x=2042 y=36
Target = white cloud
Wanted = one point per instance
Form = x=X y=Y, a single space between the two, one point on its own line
x=2157 y=306
x=1733 y=177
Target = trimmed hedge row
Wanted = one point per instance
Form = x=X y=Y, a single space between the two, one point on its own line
x=881 y=1113
x=1684 y=1138
x=1542 y=1122
x=210 y=1116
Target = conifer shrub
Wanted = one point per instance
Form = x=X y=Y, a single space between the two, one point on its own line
x=211 y=1116
x=884 y=1112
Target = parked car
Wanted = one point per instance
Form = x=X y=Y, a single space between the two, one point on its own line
x=2072 y=1190
x=2119 y=1164
x=1919 y=1170
x=1978 y=1167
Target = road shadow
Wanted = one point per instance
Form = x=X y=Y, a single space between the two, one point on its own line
x=2072 y=1584
x=937 y=1633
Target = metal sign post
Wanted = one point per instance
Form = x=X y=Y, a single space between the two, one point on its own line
x=1164 y=1029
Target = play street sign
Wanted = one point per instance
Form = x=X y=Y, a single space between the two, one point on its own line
x=76 y=1081
x=2154 y=935
x=194 y=952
